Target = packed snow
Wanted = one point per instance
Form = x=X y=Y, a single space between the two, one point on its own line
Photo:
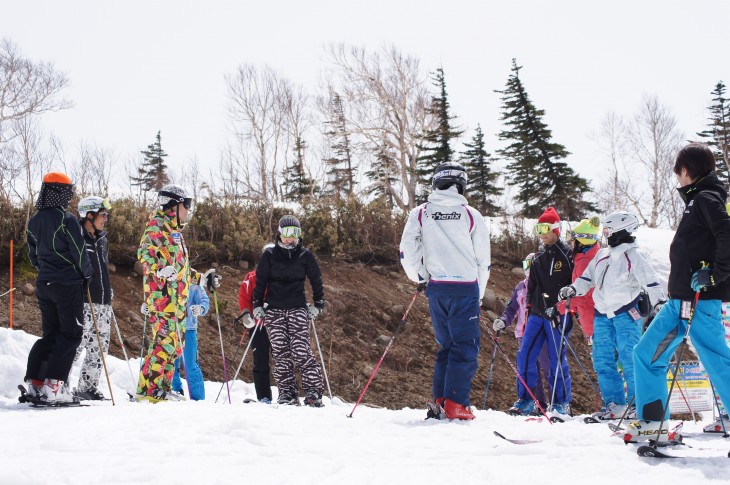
x=220 y=443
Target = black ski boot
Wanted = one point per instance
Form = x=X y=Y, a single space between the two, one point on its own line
x=313 y=399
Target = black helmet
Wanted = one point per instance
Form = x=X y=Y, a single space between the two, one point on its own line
x=448 y=174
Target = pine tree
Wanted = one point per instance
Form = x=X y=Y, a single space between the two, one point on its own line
x=535 y=164
x=483 y=188
x=717 y=134
x=298 y=185
x=383 y=174
x=340 y=170
x=437 y=142
x=152 y=172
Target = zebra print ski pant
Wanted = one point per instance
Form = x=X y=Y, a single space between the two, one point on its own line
x=91 y=368
x=289 y=335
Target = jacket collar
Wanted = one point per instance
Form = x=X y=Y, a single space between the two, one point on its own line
x=709 y=182
x=448 y=197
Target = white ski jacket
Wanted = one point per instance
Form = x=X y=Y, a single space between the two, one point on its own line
x=446 y=241
x=619 y=275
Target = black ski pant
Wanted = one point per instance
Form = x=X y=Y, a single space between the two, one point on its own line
x=62 y=321
x=261 y=369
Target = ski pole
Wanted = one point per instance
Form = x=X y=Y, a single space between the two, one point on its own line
x=684 y=397
x=141 y=344
x=179 y=334
x=682 y=346
x=250 y=340
x=719 y=412
x=101 y=347
x=559 y=359
x=3 y=294
x=316 y=338
x=211 y=287
x=524 y=384
x=617 y=427
x=124 y=351
x=580 y=364
x=489 y=376
x=387 y=348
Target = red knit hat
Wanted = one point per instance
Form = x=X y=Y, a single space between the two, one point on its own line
x=550 y=216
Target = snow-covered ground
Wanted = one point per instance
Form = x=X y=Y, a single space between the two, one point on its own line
x=209 y=443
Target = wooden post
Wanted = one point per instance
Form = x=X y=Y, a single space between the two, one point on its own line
x=11 y=284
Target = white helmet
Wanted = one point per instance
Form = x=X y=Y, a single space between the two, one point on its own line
x=171 y=195
x=620 y=221
x=92 y=204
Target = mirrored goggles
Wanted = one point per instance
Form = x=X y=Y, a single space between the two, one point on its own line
x=545 y=227
x=579 y=235
x=187 y=203
x=290 y=231
x=106 y=204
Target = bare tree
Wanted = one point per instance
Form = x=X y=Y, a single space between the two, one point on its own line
x=260 y=102
x=92 y=170
x=26 y=87
x=655 y=140
x=612 y=139
x=387 y=100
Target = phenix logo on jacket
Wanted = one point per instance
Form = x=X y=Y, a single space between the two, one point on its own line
x=618 y=275
x=446 y=243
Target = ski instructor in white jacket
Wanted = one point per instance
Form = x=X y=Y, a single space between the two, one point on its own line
x=445 y=249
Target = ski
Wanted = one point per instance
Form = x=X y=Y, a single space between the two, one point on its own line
x=517 y=442
x=591 y=420
x=651 y=452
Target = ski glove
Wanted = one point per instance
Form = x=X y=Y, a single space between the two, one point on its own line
x=566 y=292
x=702 y=279
x=247 y=320
x=498 y=325
x=658 y=306
x=313 y=311
x=550 y=312
x=196 y=310
x=259 y=313
x=168 y=272
x=144 y=310
x=421 y=286
x=210 y=279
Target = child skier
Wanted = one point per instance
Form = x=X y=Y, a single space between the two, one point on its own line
x=517 y=308
x=260 y=343
x=618 y=275
x=280 y=278
x=198 y=306
x=551 y=270
x=585 y=237
x=94 y=212
x=445 y=245
x=56 y=249
x=700 y=266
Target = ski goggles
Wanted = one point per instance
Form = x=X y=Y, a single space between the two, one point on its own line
x=545 y=227
x=106 y=204
x=581 y=235
x=608 y=232
x=526 y=264
x=290 y=231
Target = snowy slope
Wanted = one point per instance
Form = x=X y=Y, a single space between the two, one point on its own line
x=209 y=443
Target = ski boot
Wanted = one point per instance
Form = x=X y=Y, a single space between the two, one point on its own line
x=436 y=409
x=522 y=407
x=454 y=410
x=313 y=399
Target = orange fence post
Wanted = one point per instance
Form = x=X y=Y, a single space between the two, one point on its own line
x=11 y=284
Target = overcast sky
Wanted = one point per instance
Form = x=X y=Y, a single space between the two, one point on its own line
x=139 y=67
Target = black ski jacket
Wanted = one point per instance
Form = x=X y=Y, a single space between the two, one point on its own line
x=703 y=234
x=97 y=249
x=551 y=269
x=56 y=247
x=282 y=272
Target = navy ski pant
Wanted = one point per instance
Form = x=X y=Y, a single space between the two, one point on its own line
x=456 y=327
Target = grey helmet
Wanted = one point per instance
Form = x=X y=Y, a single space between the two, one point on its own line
x=171 y=195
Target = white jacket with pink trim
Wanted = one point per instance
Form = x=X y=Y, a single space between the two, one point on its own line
x=445 y=240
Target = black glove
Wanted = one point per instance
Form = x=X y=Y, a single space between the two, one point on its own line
x=420 y=287
x=550 y=312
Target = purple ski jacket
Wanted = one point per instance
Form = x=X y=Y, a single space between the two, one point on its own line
x=516 y=308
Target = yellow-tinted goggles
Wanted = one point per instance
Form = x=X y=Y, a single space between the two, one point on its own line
x=545 y=227
x=290 y=231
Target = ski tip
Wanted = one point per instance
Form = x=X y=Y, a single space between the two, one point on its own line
x=555 y=419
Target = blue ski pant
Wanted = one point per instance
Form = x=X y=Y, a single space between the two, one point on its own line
x=661 y=339
x=455 y=322
x=539 y=331
x=192 y=370
x=619 y=334
x=543 y=363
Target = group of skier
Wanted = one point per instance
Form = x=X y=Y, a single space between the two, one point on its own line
x=445 y=250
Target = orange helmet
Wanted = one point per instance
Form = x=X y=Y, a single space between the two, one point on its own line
x=56 y=178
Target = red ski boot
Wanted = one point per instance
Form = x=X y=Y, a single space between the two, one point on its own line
x=457 y=411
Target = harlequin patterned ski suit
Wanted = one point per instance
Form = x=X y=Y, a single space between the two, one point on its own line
x=162 y=245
